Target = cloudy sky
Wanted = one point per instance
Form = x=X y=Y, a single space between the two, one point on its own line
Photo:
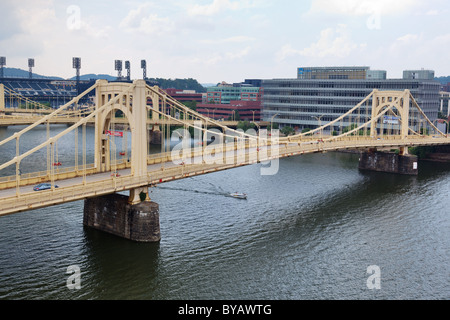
x=225 y=40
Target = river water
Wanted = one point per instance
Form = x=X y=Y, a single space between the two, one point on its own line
x=314 y=230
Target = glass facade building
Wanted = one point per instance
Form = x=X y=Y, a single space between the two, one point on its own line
x=224 y=93
x=444 y=101
x=299 y=102
x=339 y=73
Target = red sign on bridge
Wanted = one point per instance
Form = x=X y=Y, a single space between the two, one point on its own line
x=115 y=133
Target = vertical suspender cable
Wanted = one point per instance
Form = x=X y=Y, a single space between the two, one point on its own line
x=76 y=149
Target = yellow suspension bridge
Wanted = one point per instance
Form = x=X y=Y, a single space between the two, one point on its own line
x=147 y=109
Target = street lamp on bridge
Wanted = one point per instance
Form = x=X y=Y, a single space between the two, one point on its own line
x=319 y=122
x=271 y=121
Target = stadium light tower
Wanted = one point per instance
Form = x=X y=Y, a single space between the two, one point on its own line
x=144 y=68
x=118 y=68
x=76 y=63
x=127 y=67
x=2 y=64
x=30 y=66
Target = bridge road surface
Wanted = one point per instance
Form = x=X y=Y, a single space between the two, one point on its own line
x=104 y=176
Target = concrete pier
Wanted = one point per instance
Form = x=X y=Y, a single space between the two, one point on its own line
x=389 y=162
x=114 y=214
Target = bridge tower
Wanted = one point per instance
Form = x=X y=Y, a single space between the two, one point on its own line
x=134 y=107
x=400 y=100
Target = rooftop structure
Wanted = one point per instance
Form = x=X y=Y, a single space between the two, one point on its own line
x=339 y=73
x=418 y=74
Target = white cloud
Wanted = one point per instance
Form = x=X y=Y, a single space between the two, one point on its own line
x=156 y=25
x=220 y=39
x=332 y=43
x=432 y=12
x=235 y=39
x=362 y=7
x=135 y=16
x=408 y=39
x=141 y=20
x=239 y=54
x=216 y=59
x=218 y=6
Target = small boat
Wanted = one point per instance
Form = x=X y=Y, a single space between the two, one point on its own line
x=238 y=195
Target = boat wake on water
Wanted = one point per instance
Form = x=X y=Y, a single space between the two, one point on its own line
x=235 y=195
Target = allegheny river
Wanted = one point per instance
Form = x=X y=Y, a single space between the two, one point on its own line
x=317 y=229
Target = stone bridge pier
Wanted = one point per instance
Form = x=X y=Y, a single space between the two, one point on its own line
x=401 y=163
x=120 y=215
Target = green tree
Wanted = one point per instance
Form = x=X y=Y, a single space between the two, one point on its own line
x=306 y=130
x=424 y=131
x=287 y=130
x=191 y=105
x=275 y=126
x=442 y=116
x=421 y=152
x=180 y=84
x=235 y=117
x=119 y=114
x=245 y=125
x=350 y=128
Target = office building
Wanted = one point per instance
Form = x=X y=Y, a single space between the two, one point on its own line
x=418 y=74
x=235 y=110
x=443 y=103
x=184 y=95
x=223 y=93
x=330 y=92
